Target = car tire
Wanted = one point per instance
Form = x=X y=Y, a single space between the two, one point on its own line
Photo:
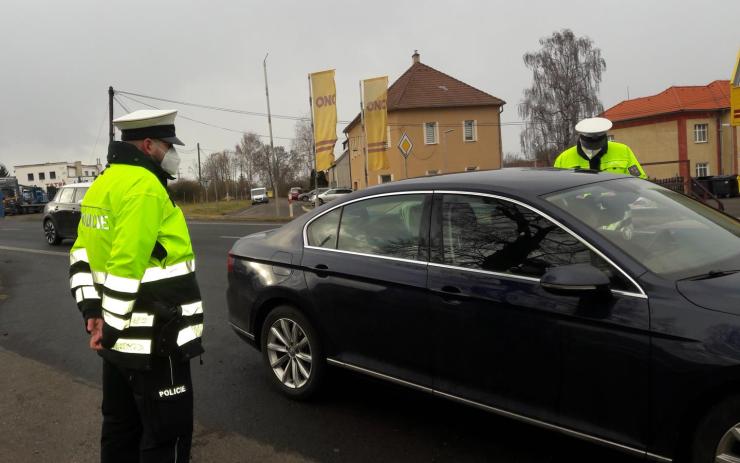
x=51 y=233
x=718 y=433
x=292 y=352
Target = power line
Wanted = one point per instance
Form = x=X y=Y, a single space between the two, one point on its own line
x=126 y=95
x=219 y=108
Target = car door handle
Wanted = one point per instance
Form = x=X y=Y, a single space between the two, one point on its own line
x=320 y=270
x=450 y=294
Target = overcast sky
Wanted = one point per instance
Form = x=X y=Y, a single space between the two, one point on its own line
x=58 y=58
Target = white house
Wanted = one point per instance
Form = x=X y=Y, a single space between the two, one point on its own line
x=56 y=174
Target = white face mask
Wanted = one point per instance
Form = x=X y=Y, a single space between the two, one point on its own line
x=170 y=161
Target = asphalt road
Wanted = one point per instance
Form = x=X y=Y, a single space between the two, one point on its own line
x=357 y=419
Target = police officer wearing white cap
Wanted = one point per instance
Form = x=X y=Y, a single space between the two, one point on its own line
x=593 y=151
x=132 y=273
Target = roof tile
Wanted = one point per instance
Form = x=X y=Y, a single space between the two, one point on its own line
x=674 y=99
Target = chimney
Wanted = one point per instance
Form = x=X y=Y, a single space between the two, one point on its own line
x=415 y=57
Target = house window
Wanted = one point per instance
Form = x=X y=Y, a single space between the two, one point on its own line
x=42 y=176
x=430 y=133
x=470 y=132
x=30 y=177
x=388 y=137
x=86 y=174
x=702 y=169
x=52 y=175
x=385 y=178
x=700 y=134
x=471 y=168
x=610 y=137
x=433 y=172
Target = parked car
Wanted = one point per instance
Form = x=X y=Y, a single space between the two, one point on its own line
x=259 y=195
x=62 y=214
x=330 y=194
x=600 y=306
x=294 y=193
x=310 y=194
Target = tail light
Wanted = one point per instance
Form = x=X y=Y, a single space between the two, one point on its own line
x=229 y=263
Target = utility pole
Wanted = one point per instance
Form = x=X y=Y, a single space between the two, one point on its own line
x=272 y=146
x=111 y=132
x=200 y=179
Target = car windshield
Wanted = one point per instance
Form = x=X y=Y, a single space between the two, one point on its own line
x=667 y=232
x=258 y=191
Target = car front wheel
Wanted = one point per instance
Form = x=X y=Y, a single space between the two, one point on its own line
x=717 y=438
x=292 y=352
x=50 y=232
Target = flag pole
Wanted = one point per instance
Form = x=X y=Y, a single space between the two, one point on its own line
x=364 y=133
x=313 y=145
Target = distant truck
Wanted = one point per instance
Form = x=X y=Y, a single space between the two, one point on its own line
x=21 y=199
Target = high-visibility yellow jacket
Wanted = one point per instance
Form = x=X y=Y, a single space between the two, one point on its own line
x=618 y=158
x=133 y=264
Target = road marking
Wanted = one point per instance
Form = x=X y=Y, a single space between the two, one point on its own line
x=232 y=237
x=34 y=251
x=11 y=229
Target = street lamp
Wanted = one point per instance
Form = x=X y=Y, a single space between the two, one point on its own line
x=444 y=153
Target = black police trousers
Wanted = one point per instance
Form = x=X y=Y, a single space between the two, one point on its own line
x=147 y=415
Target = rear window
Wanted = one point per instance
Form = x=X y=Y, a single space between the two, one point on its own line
x=66 y=195
x=80 y=193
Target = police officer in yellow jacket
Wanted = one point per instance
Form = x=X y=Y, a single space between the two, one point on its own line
x=132 y=273
x=593 y=151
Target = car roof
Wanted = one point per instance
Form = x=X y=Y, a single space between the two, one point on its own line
x=85 y=184
x=522 y=181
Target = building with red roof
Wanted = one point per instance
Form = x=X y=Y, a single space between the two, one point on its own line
x=683 y=130
x=453 y=126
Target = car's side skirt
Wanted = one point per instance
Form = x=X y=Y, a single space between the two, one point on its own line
x=501 y=412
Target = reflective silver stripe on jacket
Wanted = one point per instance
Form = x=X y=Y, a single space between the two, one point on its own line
x=171 y=271
x=189 y=333
x=192 y=309
x=133 y=346
x=141 y=319
x=86 y=292
x=80 y=255
x=117 y=306
x=122 y=284
x=80 y=279
x=116 y=322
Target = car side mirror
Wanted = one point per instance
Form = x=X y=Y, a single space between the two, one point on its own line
x=576 y=280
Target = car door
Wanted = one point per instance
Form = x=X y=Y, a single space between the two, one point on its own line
x=62 y=211
x=366 y=268
x=509 y=344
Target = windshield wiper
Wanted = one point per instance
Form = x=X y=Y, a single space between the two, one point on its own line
x=712 y=274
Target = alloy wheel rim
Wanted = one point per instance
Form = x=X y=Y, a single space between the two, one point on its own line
x=728 y=449
x=50 y=232
x=289 y=353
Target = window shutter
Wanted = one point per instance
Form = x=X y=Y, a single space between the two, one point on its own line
x=468 y=131
x=430 y=133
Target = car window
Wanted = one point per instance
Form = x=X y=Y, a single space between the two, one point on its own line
x=500 y=236
x=79 y=194
x=344 y=191
x=322 y=232
x=385 y=226
x=66 y=195
x=669 y=233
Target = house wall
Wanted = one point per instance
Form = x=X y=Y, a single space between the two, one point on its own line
x=450 y=153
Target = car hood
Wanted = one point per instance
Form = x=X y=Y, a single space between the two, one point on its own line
x=721 y=293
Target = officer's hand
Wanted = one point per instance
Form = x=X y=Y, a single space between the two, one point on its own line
x=95 y=327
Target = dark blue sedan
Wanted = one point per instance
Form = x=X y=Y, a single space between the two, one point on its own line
x=599 y=306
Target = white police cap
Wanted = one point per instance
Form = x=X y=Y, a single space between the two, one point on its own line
x=149 y=123
x=593 y=126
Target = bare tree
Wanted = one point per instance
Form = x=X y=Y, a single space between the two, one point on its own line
x=303 y=145
x=566 y=73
